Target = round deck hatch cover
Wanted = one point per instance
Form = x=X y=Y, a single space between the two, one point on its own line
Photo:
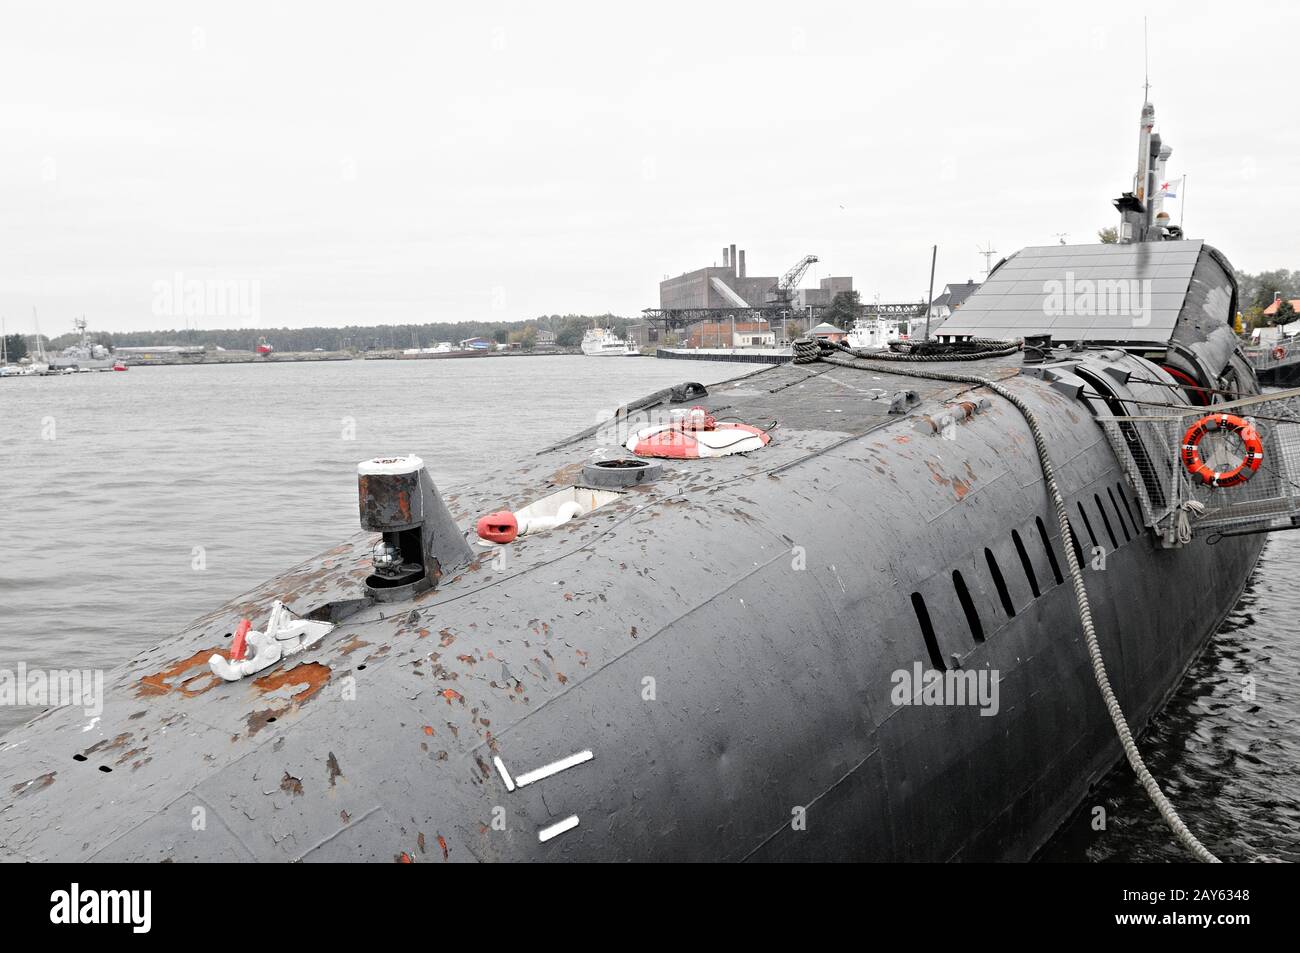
x=616 y=474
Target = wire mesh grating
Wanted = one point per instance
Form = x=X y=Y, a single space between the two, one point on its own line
x=1151 y=451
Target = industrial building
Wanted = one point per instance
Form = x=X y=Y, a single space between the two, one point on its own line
x=702 y=305
x=804 y=298
x=729 y=286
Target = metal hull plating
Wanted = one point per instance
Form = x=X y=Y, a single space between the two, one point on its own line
x=724 y=642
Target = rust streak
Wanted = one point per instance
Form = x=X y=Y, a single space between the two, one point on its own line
x=23 y=788
x=333 y=769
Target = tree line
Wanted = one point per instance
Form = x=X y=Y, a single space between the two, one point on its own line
x=1256 y=292
x=15 y=347
x=568 y=330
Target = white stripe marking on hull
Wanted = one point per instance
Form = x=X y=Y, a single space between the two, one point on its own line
x=554 y=767
x=555 y=830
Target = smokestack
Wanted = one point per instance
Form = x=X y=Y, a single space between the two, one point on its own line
x=733 y=259
x=726 y=259
x=742 y=263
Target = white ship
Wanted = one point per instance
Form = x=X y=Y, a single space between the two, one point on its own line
x=874 y=334
x=602 y=342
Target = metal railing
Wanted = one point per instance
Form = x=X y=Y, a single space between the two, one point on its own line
x=1175 y=503
x=1275 y=355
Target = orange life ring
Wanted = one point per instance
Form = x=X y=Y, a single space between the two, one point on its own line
x=1243 y=471
x=1279 y=352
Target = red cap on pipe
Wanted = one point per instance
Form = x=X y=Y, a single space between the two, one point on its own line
x=499 y=527
x=240 y=645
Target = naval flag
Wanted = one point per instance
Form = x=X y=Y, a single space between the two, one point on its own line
x=1169 y=189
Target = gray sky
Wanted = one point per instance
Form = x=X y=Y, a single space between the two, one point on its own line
x=395 y=162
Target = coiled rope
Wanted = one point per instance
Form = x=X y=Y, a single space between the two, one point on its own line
x=816 y=350
x=808 y=350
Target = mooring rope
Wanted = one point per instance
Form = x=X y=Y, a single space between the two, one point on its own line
x=817 y=351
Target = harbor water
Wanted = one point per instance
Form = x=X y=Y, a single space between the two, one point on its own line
x=136 y=502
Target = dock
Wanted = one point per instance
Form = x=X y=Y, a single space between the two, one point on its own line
x=739 y=355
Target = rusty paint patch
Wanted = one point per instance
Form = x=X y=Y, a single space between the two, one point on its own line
x=332 y=768
x=291 y=785
x=936 y=475
x=105 y=745
x=350 y=646
x=452 y=695
x=159 y=682
x=313 y=675
x=442 y=842
x=257 y=720
x=39 y=783
x=419 y=842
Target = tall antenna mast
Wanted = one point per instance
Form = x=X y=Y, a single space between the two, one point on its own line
x=1146 y=65
x=988 y=254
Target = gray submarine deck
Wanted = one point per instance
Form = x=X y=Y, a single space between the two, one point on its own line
x=719 y=685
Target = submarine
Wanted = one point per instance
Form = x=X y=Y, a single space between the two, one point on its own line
x=899 y=605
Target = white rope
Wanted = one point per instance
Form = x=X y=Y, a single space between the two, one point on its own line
x=1189 y=509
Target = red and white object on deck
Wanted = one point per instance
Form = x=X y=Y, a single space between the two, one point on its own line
x=697 y=435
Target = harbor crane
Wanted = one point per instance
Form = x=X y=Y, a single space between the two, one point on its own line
x=781 y=292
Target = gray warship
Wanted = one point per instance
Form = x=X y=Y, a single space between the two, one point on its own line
x=653 y=648
x=85 y=355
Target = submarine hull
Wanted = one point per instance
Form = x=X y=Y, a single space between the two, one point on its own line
x=726 y=650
